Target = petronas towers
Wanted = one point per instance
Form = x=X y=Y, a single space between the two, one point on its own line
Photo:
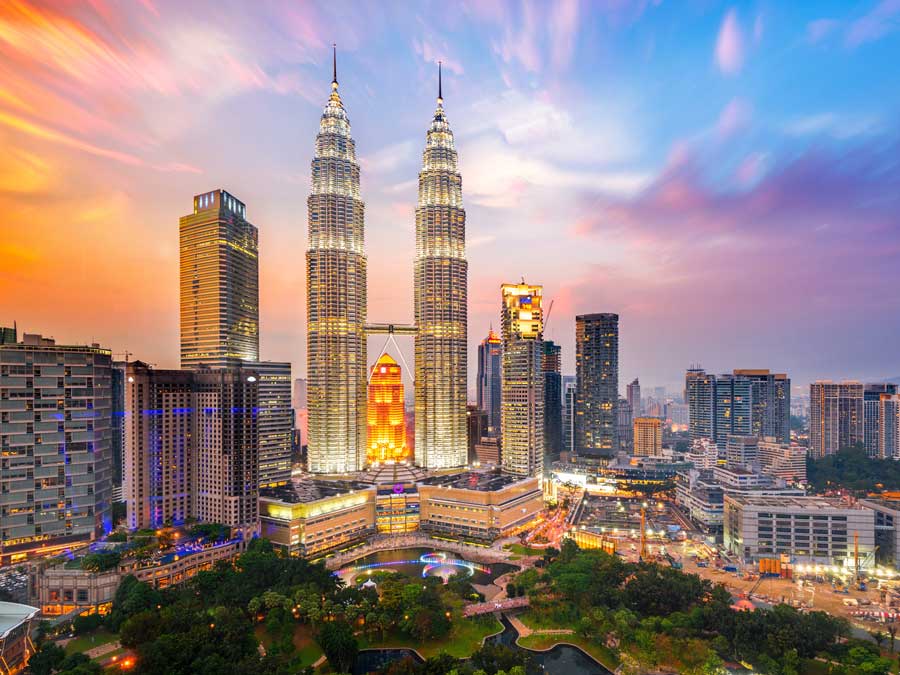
x=336 y=301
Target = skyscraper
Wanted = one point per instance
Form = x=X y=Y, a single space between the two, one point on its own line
x=700 y=394
x=522 y=423
x=871 y=412
x=835 y=417
x=733 y=407
x=219 y=283
x=336 y=299
x=633 y=394
x=647 y=436
x=597 y=373
x=625 y=426
x=552 y=401
x=488 y=385
x=56 y=479
x=569 y=390
x=771 y=403
x=275 y=421
x=387 y=426
x=889 y=426
x=440 y=289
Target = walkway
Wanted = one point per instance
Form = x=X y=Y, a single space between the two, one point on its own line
x=497 y=606
x=525 y=631
x=393 y=542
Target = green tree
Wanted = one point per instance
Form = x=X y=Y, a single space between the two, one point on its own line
x=339 y=645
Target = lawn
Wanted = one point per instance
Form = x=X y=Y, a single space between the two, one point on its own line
x=544 y=621
x=520 y=550
x=82 y=643
x=599 y=652
x=465 y=638
x=307 y=648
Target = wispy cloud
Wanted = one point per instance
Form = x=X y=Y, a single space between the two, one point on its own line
x=729 y=53
x=883 y=19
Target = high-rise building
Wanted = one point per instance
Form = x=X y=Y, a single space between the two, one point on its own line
x=647 y=436
x=871 y=411
x=117 y=428
x=522 y=420
x=192 y=446
x=55 y=440
x=733 y=407
x=488 y=386
x=336 y=299
x=569 y=394
x=625 y=426
x=633 y=394
x=553 y=444
x=597 y=373
x=440 y=290
x=700 y=394
x=476 y=430
x=771 y=397
x=889 y=426
x=782 y=460
x=275 y=421
x=387 y=426
x=219 y=283
x=9 y=336
x=835 y=417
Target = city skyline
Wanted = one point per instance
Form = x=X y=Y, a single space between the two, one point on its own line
x=771 y=169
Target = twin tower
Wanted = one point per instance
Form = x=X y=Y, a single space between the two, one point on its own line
x=336 y=301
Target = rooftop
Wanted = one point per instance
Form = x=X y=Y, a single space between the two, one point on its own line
x=482 y=481
x=788 y=502
x=304 y=490
x=12 y=614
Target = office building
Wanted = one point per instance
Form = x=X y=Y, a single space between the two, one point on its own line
x=625 y=426
x=782 y=460
x=742 y=452
x=647 y=436
x=387 y=426
x=336 y=299
x=440 y=295
x=522 y=401
x=704 y=453
x=871 y=412
x=700 y=394
x=807 y=529
x=835 y=417
x=275 y=420
x=192 y=446
x=771 y=397
x=633 y=394
x=553 y=444
x=219 y=283
x=733 y=407
x=488 y=383
x=487 y=452
x=887 y=529
x=476 y=431
x=568 y=410
x=597 y=386
x=56 y=467
x=9 y=336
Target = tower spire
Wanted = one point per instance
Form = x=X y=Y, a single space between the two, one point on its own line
x=440 y=92
x=334 y=62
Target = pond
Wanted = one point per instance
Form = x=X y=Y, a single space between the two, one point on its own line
x=419 y=562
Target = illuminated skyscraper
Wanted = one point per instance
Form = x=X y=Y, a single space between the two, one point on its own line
x=219 y=283
x=597 y=373
x=553 y=443
x=440 y=290
x=336 y=299
x=488 y=384
x=835 y=417
x=522 y=419
x=387 y=426
x=647 y=436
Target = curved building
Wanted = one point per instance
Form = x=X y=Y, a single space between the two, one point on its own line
x=336 y=299
x=440 y=290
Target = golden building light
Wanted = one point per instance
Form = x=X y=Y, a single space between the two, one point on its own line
x=387 y=426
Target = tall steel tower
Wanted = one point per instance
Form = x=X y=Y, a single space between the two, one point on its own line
x=336 y=299
x=440 y=289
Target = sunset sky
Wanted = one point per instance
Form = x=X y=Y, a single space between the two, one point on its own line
x=725 y=176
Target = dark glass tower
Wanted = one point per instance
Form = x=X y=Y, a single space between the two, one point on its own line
x=597 y=385
x=553 y=443
x=489 y=383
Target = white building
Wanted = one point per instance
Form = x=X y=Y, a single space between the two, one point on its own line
x=807 y=529
x=782 y=460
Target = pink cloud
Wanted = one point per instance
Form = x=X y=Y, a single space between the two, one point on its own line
x=563 y=27
x=729 y=55
x=734 y=117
